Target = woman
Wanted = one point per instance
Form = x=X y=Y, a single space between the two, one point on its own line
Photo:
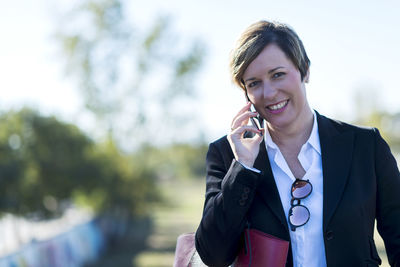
x=350 y=175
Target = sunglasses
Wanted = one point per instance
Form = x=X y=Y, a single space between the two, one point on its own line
x=299 y=214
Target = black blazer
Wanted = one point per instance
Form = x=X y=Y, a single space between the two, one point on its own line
x=361 y=184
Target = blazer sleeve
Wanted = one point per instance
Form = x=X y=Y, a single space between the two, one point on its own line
x=230 y=190
x=388 y=199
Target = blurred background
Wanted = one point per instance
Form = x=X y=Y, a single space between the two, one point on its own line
x=107 y=108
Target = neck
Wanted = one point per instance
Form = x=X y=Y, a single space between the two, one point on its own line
x=296 y=133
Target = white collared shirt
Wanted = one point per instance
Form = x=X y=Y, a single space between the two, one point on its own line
x=307 y=241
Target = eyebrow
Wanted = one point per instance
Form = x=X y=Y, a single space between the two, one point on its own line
x=270 y=71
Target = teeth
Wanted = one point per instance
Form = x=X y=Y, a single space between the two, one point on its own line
x=278 y=106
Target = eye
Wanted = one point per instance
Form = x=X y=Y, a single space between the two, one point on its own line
x=253 y=84
x=277 y=75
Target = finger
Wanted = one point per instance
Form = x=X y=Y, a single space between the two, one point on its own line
x=243 y=119
x=242 y=110
x=240 y=130
x=260 y=136
x=257 y=138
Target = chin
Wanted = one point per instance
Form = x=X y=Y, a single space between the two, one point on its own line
x=280 y=122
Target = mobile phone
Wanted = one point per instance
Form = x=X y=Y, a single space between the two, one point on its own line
x=258 y=123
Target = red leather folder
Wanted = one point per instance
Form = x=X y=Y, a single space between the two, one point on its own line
x=261 y=249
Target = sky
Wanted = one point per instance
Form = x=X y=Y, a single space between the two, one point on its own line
x=352 y=45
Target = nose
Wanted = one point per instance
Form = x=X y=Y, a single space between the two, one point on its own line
x=269 y=91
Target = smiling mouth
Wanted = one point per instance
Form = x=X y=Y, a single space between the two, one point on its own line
x=278 y=105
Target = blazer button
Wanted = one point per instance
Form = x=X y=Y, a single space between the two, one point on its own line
x=242 y=202
x=329 y=235
x=246 y=190
x=245 y=196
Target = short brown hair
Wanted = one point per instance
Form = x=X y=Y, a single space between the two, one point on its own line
x=256 y=37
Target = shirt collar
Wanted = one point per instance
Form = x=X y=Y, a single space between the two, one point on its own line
x=313 y=140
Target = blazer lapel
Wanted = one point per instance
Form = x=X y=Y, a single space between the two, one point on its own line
x=336 y=152
x=267 y=188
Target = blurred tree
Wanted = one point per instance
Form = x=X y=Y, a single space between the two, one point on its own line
x=133 y=79
x=41 y=161
x=45 y=165
x=125 y=184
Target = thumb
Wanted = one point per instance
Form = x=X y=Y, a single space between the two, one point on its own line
x=257 y=138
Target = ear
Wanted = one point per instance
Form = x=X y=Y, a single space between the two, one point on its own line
x=307 y=77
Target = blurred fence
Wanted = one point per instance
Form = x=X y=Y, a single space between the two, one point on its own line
x=76 y=239
x=81 y=244
x=17 y=232
x=75 y=242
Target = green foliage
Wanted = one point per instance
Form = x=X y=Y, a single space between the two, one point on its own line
x=45 y=165
x=125 y=183
x=41 y=159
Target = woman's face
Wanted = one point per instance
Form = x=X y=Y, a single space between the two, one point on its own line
x=275 y=88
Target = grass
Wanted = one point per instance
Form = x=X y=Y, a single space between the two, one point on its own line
x=180 y=213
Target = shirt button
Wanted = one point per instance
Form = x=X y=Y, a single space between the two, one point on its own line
x=329 y=235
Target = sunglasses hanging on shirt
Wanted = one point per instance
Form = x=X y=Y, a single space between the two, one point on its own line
x=299 y=214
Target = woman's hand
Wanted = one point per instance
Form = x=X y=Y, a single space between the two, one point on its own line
x=245 y=150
